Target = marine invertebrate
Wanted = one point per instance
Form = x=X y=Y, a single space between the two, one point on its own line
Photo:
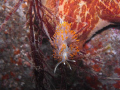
x=63 y=42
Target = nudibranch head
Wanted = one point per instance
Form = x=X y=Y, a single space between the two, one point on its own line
x=63 y=42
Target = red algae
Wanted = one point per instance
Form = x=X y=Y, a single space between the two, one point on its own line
x=17 y=51
x=19 y=62
x=117 y=70
x=96 y=68
x=6 y=76
x=93 y=82
x=117 y=85
x=12 y=74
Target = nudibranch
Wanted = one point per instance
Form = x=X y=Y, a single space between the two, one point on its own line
x=63 y=42
x=94 y=14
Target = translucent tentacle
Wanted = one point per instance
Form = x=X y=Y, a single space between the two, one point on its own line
x=71 y=60
x=57 y=66
x=68 y=65
x=64 y=64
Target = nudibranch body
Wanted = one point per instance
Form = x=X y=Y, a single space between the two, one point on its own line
x=63 y=42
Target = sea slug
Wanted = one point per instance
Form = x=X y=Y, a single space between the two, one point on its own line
x=64 y=45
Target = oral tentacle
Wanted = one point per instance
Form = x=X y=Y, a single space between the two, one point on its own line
x=71 y=60
x=57 y=66
x=68 y=65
